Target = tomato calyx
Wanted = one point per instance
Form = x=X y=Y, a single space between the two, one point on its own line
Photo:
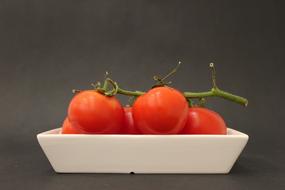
x=105 y=88
x=108 y=92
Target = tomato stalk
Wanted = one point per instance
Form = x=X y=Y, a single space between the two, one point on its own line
x=161 y=81
x=130 y=93
x=214 y=92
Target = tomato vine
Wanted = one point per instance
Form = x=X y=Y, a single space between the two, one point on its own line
x=201 y=96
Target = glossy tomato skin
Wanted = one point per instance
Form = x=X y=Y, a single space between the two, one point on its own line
x=96 y=113
x=67 y=128
x=129 y=127
x=204 y=121
x=162 y=110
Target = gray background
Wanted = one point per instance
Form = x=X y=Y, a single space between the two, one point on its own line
x=49 y=47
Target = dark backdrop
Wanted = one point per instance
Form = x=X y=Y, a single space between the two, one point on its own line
x=49 y=47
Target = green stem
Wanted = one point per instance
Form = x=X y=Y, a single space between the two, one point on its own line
x=231 y=97
x=198 y=94
x=161 y=81
x=214 y=92
x=105 y=86
x=129 y=93
x=217 y=93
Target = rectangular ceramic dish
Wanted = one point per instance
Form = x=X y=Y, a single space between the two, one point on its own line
x=142 y=153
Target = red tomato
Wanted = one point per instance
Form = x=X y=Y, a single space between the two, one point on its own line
x=96 y=113
x=162 y=110
x=204 y=121
x=129 y=127
x=67 y=128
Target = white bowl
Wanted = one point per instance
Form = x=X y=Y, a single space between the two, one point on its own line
x=142 y=153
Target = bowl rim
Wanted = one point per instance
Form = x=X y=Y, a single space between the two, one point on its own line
x=55 y=133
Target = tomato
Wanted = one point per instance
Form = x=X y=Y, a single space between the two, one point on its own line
x=204 y=121
x=67 y=128
x=162 y=110
x=129 y=127
x=96 y=113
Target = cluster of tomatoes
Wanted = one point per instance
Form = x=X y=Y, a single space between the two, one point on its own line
x=161 y=110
